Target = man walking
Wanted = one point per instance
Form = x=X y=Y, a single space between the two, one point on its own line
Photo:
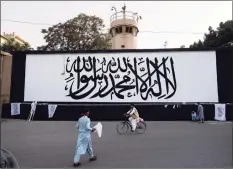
x=200 y=111
x=84 y=144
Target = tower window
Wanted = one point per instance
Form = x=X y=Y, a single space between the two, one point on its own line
x=122 y=46
x=117 y=30
x=120 y=29
x=127 y=29
x=130 y=30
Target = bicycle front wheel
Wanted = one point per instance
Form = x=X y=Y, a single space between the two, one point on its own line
x=8 y=160
x=122 y=128
x=141 y=127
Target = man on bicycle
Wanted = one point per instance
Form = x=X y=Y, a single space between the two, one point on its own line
x=133 y=117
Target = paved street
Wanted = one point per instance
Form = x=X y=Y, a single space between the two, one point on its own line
x=164 y=144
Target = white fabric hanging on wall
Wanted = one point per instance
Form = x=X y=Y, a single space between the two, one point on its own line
x=220 y=112
x=33 y=106
x=33 y=110
x=15 y=109
x=51 y=109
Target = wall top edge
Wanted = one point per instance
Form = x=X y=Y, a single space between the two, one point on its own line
x=125 y=51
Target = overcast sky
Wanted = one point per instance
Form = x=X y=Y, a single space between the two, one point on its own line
x=164 y=16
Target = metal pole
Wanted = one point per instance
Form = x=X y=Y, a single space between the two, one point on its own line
x=124 y=8
x=113 y=8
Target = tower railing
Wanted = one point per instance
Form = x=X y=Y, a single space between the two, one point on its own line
x=124 y=15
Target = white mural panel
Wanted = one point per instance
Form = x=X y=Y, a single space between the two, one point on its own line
x=122 y=77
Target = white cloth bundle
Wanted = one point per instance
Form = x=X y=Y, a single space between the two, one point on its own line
x=98 y=128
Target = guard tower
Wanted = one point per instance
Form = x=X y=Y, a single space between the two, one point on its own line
x=124 y=29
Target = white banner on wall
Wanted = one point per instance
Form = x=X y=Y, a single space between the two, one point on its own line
x=32 y=111
x=51 y=109
x=15 y=109
x=220 y=112
x=122 y=77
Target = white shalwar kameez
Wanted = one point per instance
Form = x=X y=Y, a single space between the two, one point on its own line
x=134 y=119
x=84 y=144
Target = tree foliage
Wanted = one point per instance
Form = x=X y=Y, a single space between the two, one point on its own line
x=221 y=37
x=12 y=45
x=80 y=33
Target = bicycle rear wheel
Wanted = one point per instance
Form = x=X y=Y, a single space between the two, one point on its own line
x=141 y=127
x=122 y=128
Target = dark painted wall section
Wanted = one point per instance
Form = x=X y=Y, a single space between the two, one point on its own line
x=108 y=112
x=18 y=76
x=225 y=75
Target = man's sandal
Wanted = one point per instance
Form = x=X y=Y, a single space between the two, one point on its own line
x=77 y=164
x=93 y=158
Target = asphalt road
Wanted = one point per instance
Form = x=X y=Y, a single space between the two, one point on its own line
x=164 y=144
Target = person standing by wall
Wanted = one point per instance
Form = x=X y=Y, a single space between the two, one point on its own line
x=200 y=111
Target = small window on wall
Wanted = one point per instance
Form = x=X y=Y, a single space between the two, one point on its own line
x=127 y=29
x=122 y=46
x=117 y=30
x=130 y=30
x=120 y=29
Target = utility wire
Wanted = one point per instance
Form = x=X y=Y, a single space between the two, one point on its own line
x=32 y=23
x=159 y=32
x=174 y=32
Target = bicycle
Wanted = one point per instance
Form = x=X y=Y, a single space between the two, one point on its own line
x=140 y=128
x=8 y=160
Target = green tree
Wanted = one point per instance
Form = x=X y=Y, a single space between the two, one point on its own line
x=80 y=33
x=221 y=37
x=12 y=45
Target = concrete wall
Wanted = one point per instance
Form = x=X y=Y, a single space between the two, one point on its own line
x=176 y=80
x=124 y=39
x=114 y=111
x=6 y=63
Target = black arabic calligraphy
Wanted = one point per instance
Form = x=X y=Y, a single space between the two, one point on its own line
x=120 y=77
